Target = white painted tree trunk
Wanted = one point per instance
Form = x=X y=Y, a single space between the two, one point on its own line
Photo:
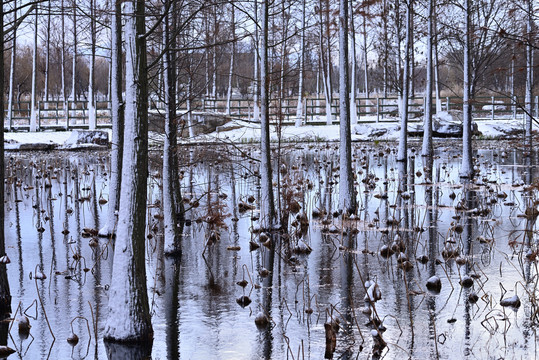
x=529 y=72
x=117 y=114
x=299 y=108
x=12 y=71
x=466 y=168
x=427 y=148
x=33 y=105
x=267 y=206
x=129 y=317
x=347 y=197
x=232 y=55
x=402 y=153
x=92 y=114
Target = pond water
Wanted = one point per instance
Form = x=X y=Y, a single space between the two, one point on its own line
x=477 y=238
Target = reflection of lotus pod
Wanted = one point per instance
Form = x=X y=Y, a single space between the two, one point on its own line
x=264 y=272
x=261 y=320
x=5 y=351
x=243 y=301
x=24 y=325
x=472 y=298
x=243 y=283
x=39 y=275
x=402 y=258
x=423 y=259
x=73 y=339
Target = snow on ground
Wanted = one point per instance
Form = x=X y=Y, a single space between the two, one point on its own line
x=239 y=131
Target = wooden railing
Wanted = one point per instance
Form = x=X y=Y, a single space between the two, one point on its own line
x=57 y=115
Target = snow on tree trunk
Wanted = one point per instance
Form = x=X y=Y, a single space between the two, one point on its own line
x=267 y=206
x=299 y=108
x=347 y=198
x=353 y=76
x=117 y=114
x=529 y=72
x=129 y=318
x=232 y=54
x=170 y=219
x=427 y=123
x=403 y=134
x=12 y=70
x=466 y=168
x=5 y=294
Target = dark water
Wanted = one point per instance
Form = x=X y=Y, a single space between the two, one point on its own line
x=194 y=302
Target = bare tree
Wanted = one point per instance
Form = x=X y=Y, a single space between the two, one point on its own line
x=347 y=196
x=129 y=317
x=267 y=206
x=427 y=123
x=33 y=105
x=117 y=115
x=466 y=168
x=5 y=294
x=403 y=134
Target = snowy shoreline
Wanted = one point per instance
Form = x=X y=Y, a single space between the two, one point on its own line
x=242 y=132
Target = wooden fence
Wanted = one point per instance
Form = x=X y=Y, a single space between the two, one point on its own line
x=57 y=115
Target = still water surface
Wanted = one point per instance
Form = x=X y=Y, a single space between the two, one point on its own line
x=52 y=198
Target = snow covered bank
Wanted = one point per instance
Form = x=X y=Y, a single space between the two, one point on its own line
x=238 y=131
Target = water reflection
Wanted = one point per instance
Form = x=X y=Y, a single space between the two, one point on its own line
x=315 y=271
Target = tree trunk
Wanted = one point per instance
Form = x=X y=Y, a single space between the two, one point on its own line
x=62 y=64
x=12 y=70
x=427 y=123
x=353 y=65
x=299 y=108
x=232 y=54
x=117 y=114
x=403 y=134
x=5 y=294
x=347 y=197
x=92 y=116
x=256 y=107
x=466 y=169
x=365 y=57
x=171 y=233
x=129 y=317
x=33 y=105
x=529 y=73
x=47 y=55
x=267 y=206
x=74 y=68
